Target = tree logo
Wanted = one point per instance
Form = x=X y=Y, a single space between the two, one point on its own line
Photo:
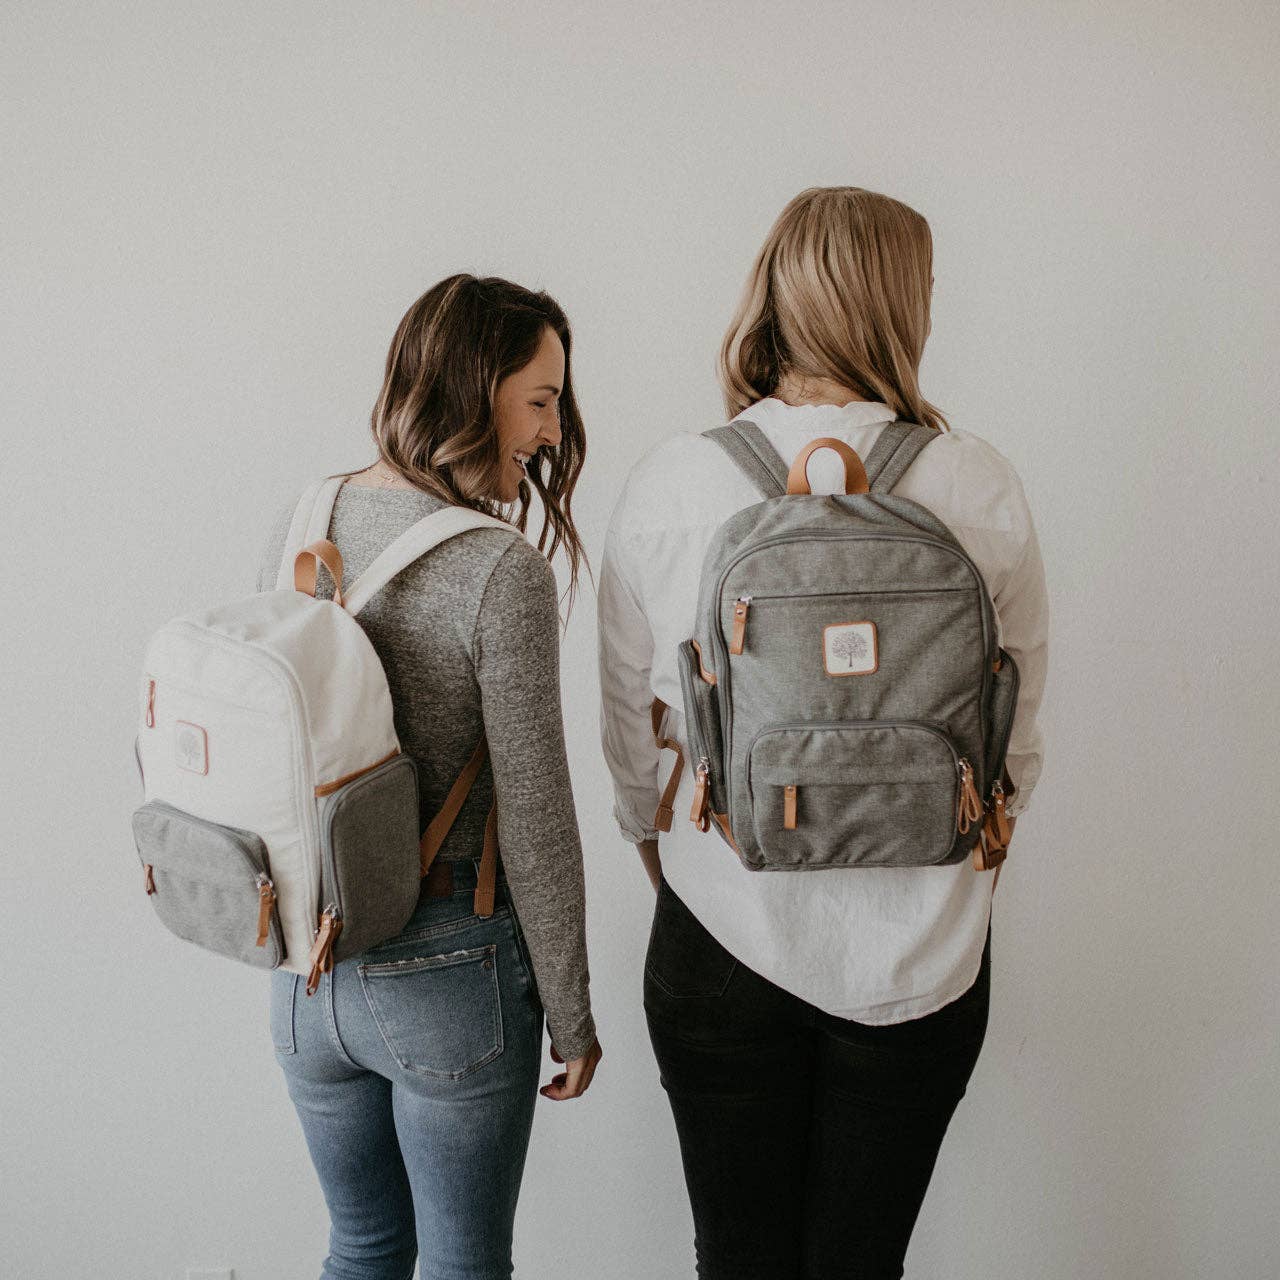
x=191 y=747
x=850 y=648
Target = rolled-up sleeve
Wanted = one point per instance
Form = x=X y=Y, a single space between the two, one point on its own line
x=626 y=660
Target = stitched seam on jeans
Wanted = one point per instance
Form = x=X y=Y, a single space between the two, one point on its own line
x=691 y=995
x=438 y=930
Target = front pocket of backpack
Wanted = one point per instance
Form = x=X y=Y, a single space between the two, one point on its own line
x=369 y=852
x=439 y=1016
x=212 y=883
x=854 y=794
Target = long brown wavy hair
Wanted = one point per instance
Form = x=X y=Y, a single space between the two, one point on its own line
x=434 y=423
x=839 y=290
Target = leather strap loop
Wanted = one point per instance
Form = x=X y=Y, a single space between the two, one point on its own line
x=304 y=568
x=855 y=475
x=666 y=804
x=487 y=876
x=438 y=828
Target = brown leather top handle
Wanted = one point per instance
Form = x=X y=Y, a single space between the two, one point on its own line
x=304 y=568
x=855 y=474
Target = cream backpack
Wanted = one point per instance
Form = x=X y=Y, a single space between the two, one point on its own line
x=280 y=817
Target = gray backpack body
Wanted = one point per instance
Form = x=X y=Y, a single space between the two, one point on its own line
x=846 y=700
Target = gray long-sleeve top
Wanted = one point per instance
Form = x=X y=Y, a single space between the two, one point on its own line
x=469 y=638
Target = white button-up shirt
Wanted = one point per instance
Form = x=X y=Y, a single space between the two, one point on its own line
x=878 y=945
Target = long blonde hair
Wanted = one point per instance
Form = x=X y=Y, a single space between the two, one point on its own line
x=840 y=290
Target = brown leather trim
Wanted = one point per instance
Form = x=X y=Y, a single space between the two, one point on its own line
x=487 y=876
x=789 y=807
x=702 y=670
x=304 y=568
x=328 y=788
x=855 y=474
x=875 y=647
x=433 y=836
x=666 y=803
x=739 y=640
x=148 y=879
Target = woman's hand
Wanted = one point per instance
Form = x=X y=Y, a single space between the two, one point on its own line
x=573 y=1081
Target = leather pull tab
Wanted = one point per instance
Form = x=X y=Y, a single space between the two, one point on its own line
x=148 y=879
x=700 y=813
x=970 y=808
x=321 y=957
x=789 y=807
x=151 y=704
x=739 y=640
x=266 y=904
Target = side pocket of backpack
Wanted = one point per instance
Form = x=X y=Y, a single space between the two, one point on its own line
x=1001 y=708
x=369 y=854
x=702 y=720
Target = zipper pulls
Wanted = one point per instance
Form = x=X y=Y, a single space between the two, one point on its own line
x=321 y=956
x=970 y=810
x=266 y=904
x=148 y=879
x=789 y=807
x=741 y=605
x=151 y=704
x=998 y=820
x=699 y=815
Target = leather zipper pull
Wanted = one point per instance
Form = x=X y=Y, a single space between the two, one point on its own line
x=699 y=814
x=1000 y=819
x=151 y=704
x=741 y=605
x=266 y=904
x=789 y=807
x=321 y=956
x=149 y=880
x=970 y=810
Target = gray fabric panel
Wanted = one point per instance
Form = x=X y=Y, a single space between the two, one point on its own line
x=369 y=841
x=883 y=796
x=702 y=721
x=1003 y=701
x=755 y=457
x=206 y=882
x=900 y=450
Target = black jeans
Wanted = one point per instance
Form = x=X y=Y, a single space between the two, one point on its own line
x=808 y=1140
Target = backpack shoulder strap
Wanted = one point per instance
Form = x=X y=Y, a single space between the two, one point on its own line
x=310 y=524
x=896 y=448
x=416 y=541
x=756 y=458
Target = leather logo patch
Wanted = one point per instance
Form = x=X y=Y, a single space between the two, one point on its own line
x=191 y=747
x=850 y=648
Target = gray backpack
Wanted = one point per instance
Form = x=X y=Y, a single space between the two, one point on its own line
x=846 y=699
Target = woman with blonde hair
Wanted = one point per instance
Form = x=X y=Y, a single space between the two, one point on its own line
x=414 y=1067
x=814 y=1033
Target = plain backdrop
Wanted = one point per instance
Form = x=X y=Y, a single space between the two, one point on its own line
x=213 y=218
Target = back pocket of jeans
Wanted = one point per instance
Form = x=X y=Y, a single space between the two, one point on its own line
x=439 y=1016
x=684 y=961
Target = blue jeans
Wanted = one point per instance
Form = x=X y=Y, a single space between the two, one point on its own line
x=414 y=1070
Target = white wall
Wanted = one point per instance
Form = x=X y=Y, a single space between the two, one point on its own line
x=214 y=215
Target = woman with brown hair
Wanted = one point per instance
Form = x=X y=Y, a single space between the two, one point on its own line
x=814 y=1033
x=414 y=1068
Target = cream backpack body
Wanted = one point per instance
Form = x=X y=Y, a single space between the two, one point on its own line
x=280 y=818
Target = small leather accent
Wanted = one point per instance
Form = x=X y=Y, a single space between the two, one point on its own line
x=666 y=804
x=321 y=955
x=266 y=903
x=970 y=807
x=328 y=788
x=702 y=670
x=701 y=806
x=438 y=882
x=855 y=474
x=151 y=704
x=739 y=640
x=148 y=879
x=304 y=568
x=789 y=807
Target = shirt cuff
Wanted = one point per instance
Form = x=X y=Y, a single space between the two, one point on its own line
x=574 y=1044
x=630 y=826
